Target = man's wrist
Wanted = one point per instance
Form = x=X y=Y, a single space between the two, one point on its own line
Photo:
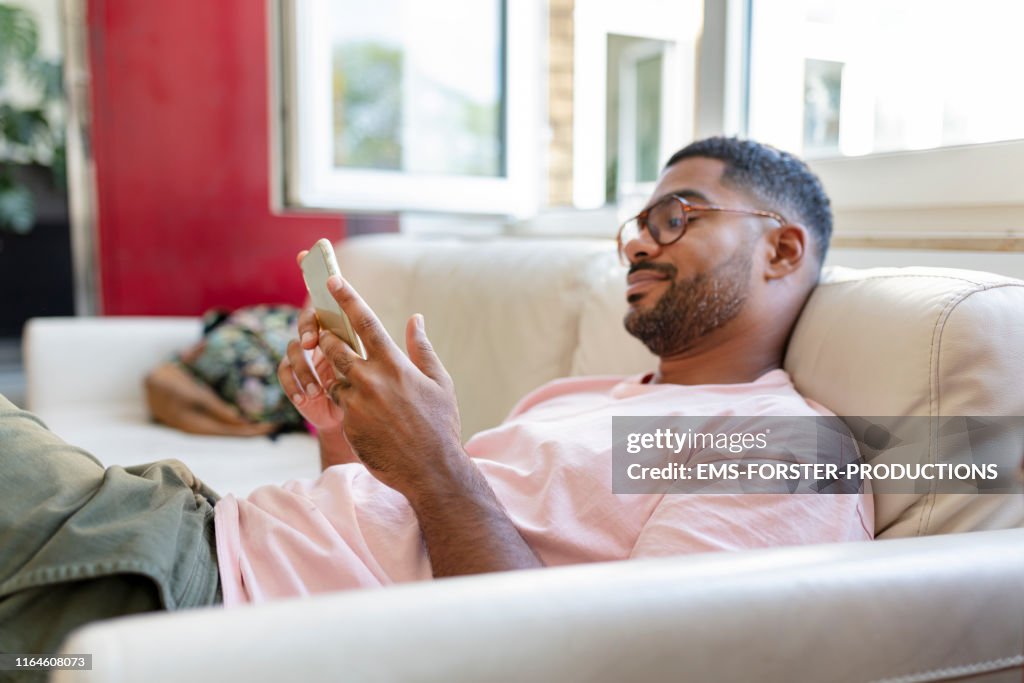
x=334 y=447
x=330 y=432
x=452 y=476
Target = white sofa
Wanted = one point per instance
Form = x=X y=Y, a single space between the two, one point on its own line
x=925 y=602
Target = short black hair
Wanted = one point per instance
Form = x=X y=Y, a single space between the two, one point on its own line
x=773 y=176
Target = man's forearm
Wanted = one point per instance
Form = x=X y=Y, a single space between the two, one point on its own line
x=465 y=528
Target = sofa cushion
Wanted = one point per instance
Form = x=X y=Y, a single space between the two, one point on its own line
x=121 y=433
x=918 y=342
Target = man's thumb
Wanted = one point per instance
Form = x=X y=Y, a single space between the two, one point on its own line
x=421 y=351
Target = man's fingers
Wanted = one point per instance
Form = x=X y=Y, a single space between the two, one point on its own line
x=364 y=320
x=323 y=368
x=339 y=354
x=308 y=327
x=301 y=255
x=309 y=384
x=286 y=378
x=421 y=352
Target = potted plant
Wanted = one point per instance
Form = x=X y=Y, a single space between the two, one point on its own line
x=31 y=132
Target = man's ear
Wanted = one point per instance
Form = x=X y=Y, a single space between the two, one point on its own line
x=788 y=247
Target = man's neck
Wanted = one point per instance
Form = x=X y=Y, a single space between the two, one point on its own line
x=737 y=359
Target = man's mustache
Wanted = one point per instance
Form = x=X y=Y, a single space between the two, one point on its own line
x=666 y=269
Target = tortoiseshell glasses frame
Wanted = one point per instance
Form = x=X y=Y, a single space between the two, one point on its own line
x=667 y=220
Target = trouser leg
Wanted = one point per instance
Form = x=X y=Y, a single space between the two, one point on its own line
x=80 y=543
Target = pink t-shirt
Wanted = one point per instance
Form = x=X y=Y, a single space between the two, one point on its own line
x=550 y=465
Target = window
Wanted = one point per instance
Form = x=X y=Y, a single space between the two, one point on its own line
x=643 y=116
x=633 y=81
x=857 y=77
x=908 y=110
x=401 y=105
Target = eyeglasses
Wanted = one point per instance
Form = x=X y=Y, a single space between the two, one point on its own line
x=667 y=220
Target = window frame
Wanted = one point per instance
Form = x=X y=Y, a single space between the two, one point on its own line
x=955 y=197
x=311 y=181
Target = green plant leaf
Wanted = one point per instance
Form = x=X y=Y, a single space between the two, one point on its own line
x=19 y=36
x=21 y=126
x=26 y=134
x=17 y=209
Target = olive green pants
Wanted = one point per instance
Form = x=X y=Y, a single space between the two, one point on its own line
x=80 y=542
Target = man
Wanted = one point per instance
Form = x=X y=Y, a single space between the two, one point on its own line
x=721 y=263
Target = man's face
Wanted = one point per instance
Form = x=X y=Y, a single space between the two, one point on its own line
x=681 y=293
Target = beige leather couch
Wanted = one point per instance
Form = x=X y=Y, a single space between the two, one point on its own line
x=925 y=602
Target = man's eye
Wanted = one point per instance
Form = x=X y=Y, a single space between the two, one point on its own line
x=676 y=223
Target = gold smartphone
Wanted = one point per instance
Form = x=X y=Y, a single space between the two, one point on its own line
x=318 y=265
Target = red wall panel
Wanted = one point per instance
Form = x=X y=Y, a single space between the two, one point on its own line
x=181 y=144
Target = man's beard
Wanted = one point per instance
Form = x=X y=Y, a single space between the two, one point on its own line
x=690 y=309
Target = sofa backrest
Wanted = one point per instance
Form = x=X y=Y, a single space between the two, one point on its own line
x=507 y=315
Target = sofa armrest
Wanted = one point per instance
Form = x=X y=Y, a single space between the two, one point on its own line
x=858 y=611
x=81 y=361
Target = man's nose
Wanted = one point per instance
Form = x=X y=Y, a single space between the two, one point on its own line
x=641 y=247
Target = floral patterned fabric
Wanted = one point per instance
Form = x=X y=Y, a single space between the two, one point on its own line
x=238 y=359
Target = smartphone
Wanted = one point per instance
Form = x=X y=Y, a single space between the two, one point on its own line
x=318 y=265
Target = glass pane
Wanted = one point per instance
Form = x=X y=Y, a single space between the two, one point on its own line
x=648 y=118
x=418 y=87
x=822 y=92
x=864 y=76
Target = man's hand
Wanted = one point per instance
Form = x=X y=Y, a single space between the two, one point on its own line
x=401 y=415
x=402 y=419
x=307 y=383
